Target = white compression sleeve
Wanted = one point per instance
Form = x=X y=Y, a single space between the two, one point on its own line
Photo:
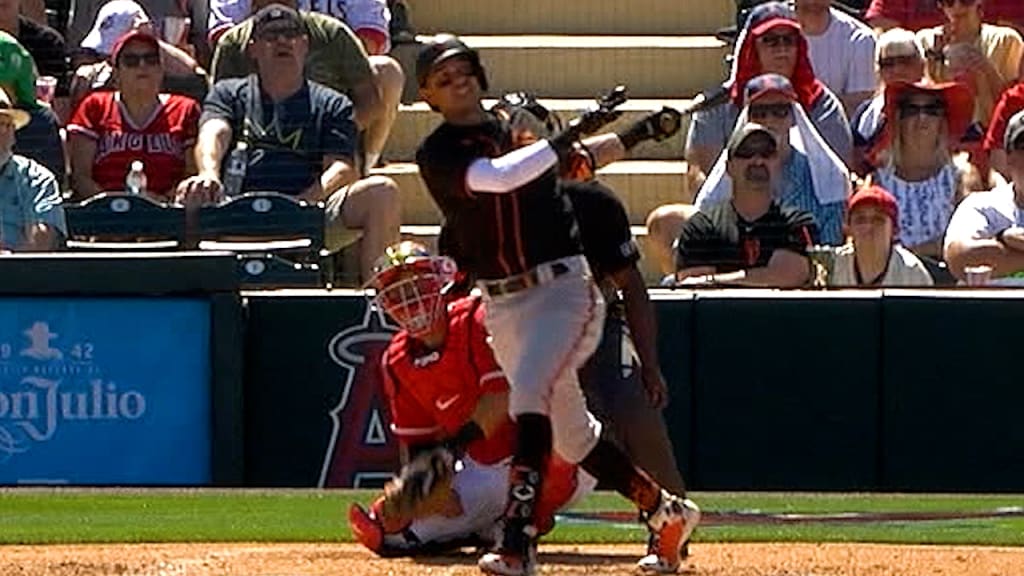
x=508 y=172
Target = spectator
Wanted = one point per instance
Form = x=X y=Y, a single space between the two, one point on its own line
x=1011 y=102
x=910 y=14
x=337 y=59
x=899 y=60
x=40 y=140
x=300 y=136
x=45 y=44
x=988 y=227
x=94 y=70
x=110 y=130
x=873 y=257
x=983 y=56
x=772 y=42
x=750 y=240
x=813 y=178
x=31 y=217
x=916 y=164
x=841 y=50
x=85 y=12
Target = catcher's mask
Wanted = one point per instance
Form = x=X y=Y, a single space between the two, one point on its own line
x=409 y=284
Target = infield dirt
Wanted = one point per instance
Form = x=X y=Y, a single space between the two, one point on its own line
x=217 y=559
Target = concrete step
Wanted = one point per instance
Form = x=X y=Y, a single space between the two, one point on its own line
x=427 y=235
x=664 y=17
x=416 y=121
x=584 y=66
x=641 y=185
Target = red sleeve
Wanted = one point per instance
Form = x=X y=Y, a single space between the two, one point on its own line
x=1011 y=102
x=190 y=122
x=88 y=116
x=884 y=9
x=492 y=377
x=409 y=421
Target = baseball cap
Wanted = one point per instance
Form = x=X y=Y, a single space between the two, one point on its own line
x=741 y=133
x=276 y=17
x=877 y=196
x=19 y=117
x=18 y=71
x=767 y=84
x=1014 y=130
x=134 y=35
x=769 y=15
x=113 y=21
x=444 y=47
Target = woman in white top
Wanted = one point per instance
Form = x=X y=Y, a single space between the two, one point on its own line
x=872 y=258
x=915 y=160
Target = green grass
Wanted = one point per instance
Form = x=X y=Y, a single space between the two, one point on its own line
x=36 y=516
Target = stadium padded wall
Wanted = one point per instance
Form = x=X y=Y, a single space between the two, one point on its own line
x=852 y=390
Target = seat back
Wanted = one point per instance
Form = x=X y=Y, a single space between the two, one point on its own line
x=121 y=221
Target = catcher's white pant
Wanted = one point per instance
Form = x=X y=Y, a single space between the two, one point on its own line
x=541 y=336
x=482 y=491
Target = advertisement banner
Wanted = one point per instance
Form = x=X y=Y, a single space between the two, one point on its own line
x=105 y=391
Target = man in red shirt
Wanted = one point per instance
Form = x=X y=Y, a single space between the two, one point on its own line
x=445 y=388
x=918 y=14
x=1011 y=102
x=110 y=130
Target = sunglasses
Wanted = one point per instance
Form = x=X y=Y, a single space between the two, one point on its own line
x=130 y=60
x=949 y=3
x=762 y=111
x=760 y=149
x=892 y=61
x=279 y=34
x=909 y=110
x=776 y=40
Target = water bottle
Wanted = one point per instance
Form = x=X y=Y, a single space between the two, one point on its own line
x=135 y=182
x=234 y=171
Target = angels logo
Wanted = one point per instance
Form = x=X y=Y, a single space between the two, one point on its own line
x=362 y=452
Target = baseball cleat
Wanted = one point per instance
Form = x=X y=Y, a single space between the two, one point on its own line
x=671 y=526
x=510 y=564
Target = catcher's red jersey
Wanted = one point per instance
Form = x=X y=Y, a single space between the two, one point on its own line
x=432 y=393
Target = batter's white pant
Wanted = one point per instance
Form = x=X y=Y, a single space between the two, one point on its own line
x=482 y=491
x=541 y=336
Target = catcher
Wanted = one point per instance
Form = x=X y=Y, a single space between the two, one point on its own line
x=449 y=408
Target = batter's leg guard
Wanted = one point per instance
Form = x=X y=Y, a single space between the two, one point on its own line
x=670 y=525
x=516 y=554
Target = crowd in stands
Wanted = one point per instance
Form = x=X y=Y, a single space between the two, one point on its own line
x=889 y=131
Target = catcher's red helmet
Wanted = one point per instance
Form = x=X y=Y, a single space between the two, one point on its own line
x=409 y=286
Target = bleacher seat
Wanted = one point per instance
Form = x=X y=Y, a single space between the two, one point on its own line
x=122 y=221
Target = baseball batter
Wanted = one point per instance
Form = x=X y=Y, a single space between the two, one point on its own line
x=446 y=391
x=506 y=209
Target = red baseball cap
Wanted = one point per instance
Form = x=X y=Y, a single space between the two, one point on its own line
x=875 y=195
x=133 y=35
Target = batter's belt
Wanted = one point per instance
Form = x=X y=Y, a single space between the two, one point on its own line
x=537 y=275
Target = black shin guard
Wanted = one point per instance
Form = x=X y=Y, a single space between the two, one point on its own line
x=533 y=446
x=610 y=465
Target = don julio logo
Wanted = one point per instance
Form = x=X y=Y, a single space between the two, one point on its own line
x=38 y=409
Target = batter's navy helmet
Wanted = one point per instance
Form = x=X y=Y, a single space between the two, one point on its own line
x=443 y=47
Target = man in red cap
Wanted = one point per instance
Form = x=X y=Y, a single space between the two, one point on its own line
x=873 y=258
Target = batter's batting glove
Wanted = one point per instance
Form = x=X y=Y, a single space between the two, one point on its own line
x=658 y=126
x=588 y=123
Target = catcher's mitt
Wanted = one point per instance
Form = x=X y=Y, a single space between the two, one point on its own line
x=422 y=488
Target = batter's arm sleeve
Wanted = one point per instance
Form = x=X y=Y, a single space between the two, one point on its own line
x=508 y=172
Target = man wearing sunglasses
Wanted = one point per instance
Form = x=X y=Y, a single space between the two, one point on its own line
x=987 y=228
x=300 y=138
x=750 y=240
x=986 y=57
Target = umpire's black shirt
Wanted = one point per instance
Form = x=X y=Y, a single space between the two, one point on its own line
x=498 y=235
x=721 y=238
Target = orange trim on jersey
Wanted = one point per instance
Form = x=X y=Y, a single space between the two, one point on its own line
x=501 y=235
x=518 y=235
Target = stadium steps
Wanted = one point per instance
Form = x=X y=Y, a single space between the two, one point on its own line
x=416 y=121
x=584 y=66
x=662 y=17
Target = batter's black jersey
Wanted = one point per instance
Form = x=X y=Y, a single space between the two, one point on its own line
x=499 y=235
x=721 y=238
